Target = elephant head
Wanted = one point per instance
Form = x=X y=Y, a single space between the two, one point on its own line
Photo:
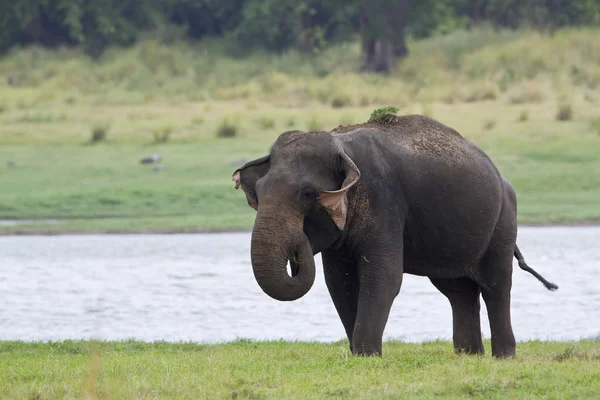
x=304 y=173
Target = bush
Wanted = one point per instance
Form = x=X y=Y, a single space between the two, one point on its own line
x=385 y=114
x=524 y=116
x=267 y=122
x=228 y=128
x=481 y=93
x=565 y=112
x=596 y=124
x=291 y=122
x=528 y=93
x=489 y=124
x=340 y=100
x=162 y=134
x=589 y=97
x=364 y=100
x=2 y=108
x=99 y=133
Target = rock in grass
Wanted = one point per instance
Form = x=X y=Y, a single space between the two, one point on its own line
x=151 y=159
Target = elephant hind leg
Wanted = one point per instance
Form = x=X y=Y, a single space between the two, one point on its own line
x=463 y=294
x=496 y=283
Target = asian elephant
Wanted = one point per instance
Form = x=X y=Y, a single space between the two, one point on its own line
x=379 y=199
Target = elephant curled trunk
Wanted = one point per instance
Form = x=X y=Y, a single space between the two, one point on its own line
x=277 y=239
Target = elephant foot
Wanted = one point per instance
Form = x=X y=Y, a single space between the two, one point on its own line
x=366 y=351
x=508 y=351
x=469 y=350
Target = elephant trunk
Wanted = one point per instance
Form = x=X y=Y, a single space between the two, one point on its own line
x=277 y=238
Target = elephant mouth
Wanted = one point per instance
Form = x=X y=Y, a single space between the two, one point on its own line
x=294 y=264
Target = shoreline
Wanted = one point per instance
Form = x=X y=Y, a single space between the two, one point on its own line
x=12 y=227
x=242 y=341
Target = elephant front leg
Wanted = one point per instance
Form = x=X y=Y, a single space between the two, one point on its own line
x=380 y=278
x=342 y=282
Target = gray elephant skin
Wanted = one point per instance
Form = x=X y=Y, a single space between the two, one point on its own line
x=377 y=200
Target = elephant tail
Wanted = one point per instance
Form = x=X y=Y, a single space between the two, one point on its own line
x=523 y=265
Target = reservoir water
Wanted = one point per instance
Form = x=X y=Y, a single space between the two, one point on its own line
x=201 y=288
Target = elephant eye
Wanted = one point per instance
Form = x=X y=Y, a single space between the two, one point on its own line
x=308 y=193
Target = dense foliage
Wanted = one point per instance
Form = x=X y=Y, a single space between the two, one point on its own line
x=271 y=24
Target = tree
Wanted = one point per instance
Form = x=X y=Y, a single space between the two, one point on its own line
x=382 y=24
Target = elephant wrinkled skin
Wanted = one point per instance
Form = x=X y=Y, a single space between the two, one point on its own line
x=378 y=200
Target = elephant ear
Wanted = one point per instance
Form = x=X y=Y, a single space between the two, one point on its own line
x=246 y=177
x=336 y=201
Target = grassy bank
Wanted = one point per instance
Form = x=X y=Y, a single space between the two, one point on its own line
x=528 y=100
x=282 y=370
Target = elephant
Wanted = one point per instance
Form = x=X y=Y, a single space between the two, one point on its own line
x=377 y=200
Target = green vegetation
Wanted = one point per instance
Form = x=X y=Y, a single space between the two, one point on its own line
x=283 y=370
x=276 y=25
x=162 y=134
x=596 y=124
x=565 y=112
x=178 y=101
x=524 y=116
x=384 y=115
x=99 y=133
x=227 y=129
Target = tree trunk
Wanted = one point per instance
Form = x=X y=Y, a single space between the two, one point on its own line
x=386 y=56
x=382 y=25
x=368 y=44
x=397 y=24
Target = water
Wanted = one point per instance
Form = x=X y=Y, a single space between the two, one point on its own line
x=15 y=222
x=200 y=288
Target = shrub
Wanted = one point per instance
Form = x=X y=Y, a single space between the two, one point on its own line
x=99 y=133
x=489 y=124
x=528 y=93
x=228 y=128
x=385 y=115
x=565 y=112
x=524 y=116
x=589 y=97
x=364 y=100
x=481 y=93
x=2 y=108
x=596 y=124
x=36 y=118
x=291 y=122
x=162 y=134
x=340 y=100
x=267 y=122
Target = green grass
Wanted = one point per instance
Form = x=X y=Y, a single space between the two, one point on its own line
x=283 y=370
x=177 y=101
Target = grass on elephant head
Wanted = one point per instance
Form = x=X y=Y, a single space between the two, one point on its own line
x=284 y=370
x=72 y=131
